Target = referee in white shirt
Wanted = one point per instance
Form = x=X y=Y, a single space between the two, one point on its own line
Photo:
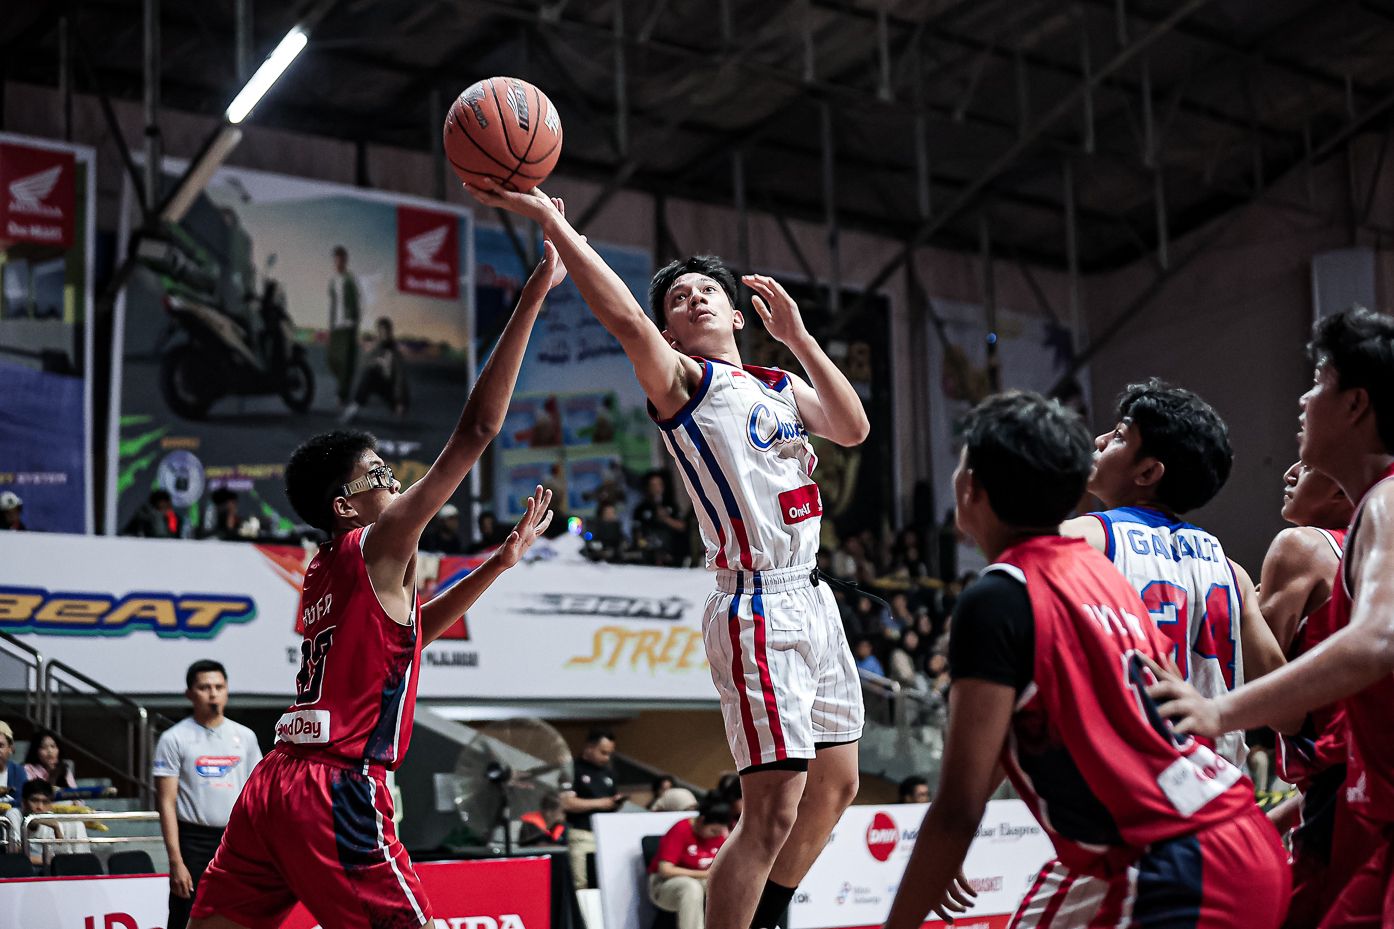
x=200 y=766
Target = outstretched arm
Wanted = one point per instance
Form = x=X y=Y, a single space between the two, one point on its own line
x=441 y=612
x=829 y=406
x=394 y=537
x=666 y=375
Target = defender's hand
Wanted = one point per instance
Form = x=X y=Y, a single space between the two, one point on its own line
x=536 y=518
x=776 y=309
x=1182 y=704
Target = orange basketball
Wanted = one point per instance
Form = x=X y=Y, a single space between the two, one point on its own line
x=506 y=129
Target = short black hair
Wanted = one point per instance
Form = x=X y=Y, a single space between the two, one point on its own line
x=1186 y=435
x=1031 y=455
x=35 y=786
x=728 y=787
x=715 y=811
x=907 y=786
x=1359 y=345
x=599 y=734
x=658 y=782
x=710 y=265
x=202 y=666
x=317 y=469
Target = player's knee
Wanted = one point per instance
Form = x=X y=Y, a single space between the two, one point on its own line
x=845 y=790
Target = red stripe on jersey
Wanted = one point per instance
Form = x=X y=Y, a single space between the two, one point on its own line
x=757 y=611
x=733 y=625
x=742 y=542
x=1031 y=894
x=1057 y=900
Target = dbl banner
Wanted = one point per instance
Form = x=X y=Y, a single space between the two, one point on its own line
x=46 y=228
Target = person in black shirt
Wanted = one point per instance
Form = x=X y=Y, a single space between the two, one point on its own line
x=590 y=790
x=658 y=531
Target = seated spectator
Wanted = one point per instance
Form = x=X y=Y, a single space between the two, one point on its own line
x=605 y=535
x=45 y=761
x=11 y=512
x=904 y=669
x=866 y=657
x=545 y=825
x=659 y=533
x=38 y=798
x=678 y=873
x=675 y=800
x=491 y=534
x=914 y=789
x=156 y=519
x=12 y=773
x=899 y=618
x=660 y=784
x=728 y=788
x=226 y=523
x=442 y=535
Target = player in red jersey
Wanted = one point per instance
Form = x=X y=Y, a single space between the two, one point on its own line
x=314 y=822
x=1295 y=596
x=1348 y=433
x=1046 y=654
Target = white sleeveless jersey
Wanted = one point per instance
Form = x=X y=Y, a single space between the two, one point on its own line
x=744 y=456
x=1187 y=584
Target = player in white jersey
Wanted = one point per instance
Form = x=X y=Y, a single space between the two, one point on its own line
x=1169 y=454
x=789 y=689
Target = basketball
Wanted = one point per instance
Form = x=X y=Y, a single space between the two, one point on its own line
x=506 y=129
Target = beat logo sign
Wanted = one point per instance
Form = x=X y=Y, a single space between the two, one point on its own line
x=428 y=253
x=881 y=836
x=37 y=195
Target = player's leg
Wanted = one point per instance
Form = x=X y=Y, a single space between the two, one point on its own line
x=737 y=878
x=1063 y=899
x=830 y=789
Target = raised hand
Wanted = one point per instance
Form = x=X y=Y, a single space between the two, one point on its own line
x=533 y=204
x=776 y=309
x=537 y=516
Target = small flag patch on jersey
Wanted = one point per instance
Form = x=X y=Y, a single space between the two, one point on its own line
x=800 y=504
x=215 y=765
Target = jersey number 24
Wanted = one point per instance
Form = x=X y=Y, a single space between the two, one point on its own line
x=1214 y=636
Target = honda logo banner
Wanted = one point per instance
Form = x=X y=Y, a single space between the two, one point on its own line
x=428 y=253
x=47 y=204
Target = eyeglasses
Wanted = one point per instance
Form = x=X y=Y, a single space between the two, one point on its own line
x=381 y=476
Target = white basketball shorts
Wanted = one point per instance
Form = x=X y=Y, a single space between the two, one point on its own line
x=781 y=665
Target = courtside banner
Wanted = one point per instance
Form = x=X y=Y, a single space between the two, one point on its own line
x=510 y=893
x=135 y=612
x=137 y=902
x=854 y=880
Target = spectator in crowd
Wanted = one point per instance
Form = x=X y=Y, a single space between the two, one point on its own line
x=900 y=618
x=383 y=374
x=904 y=669
x=545 y=825
x=12 y=773
x=678 y=872
x=675 y=800
x=38 y=799
x=490 y=533
x=914 y=789
x=442 y=534
x=11 y=512
x=605 y=535
x=201 y=765
x=728 y=788
x=226 y=523
x=156 y=519
x=658 y=530
x=45 y=761
x=661 y=783
x=866 y=657
x=591 y=790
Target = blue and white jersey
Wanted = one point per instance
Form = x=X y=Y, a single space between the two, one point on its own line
x=1188 y=585
x=745 y=458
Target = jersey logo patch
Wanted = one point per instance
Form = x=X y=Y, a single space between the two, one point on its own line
x=767 y=428
x=215 y=765
x=306 y=727
x=800 y=503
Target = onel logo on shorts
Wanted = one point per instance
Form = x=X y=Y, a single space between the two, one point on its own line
x=303 y=726
x=881 y=836
x=800 y=504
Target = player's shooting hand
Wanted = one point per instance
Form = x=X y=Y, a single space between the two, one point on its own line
x=181 y=882
x=957 y=899
x=533 y=204
x=776 y=309
x=537 y=516
x=1182 y=704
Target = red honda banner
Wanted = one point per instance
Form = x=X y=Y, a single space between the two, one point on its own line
x=501 y=893
x=428 y=253
x=37 y=200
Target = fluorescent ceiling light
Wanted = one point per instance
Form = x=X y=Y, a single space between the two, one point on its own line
x=271 y=69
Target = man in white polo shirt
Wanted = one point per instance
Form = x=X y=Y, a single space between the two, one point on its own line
x=201 y=764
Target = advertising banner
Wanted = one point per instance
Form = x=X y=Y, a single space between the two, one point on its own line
x=274 y=309
x=855 y=878
x=514 y=893
x=137 y=902
x=47 y=210
x=140 y=610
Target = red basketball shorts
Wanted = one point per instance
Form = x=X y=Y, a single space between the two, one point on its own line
x=319 y=834
x=1367 y=900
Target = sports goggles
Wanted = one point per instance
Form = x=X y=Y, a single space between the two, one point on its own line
x=381 y=476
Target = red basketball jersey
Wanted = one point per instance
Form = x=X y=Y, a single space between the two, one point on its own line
x=1102 y=771
x=1370 y=744
x=356 y=690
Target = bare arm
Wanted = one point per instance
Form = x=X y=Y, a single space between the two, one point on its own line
x=829 y=405
x=980 y=713
x=166 y=795
x=666 y=375
x=668 y=869
x=1262 y=653
x=442 y=611
x=1088 y=528
x=570 y=803
x=1296 y=578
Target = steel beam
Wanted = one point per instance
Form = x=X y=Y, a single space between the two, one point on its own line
x=621 y=83
x=1072 y=250
x=244 y=40
x=153 y=154
x=825 y=114
x=65 y=74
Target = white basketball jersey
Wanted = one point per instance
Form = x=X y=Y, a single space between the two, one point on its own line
x=1187 y=584
x=744 y=455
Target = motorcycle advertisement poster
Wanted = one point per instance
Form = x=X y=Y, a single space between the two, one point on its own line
x=47 y=219
x=276 y=308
